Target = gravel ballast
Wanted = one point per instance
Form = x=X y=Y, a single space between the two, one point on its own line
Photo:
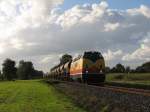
x=95 y=99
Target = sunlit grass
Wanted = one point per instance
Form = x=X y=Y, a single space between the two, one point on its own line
x=33 y=96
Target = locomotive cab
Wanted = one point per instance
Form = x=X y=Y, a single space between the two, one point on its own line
x=93 y=67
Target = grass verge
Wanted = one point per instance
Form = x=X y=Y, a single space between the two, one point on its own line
x=33 y=96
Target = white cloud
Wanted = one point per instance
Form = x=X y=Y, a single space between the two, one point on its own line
x=110 y=55
x=79 y=14
x=16 y=15
x=145 y=11
x=111 y=26
x=48 y=58
x=17 y=44
x=142 y=53
x=142 y=10
x=21 y=44
x=41 y=30
x=1 y=49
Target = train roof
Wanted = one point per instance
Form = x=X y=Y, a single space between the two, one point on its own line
x=92 y=52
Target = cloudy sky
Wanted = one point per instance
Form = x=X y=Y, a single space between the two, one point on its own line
x=42 y=30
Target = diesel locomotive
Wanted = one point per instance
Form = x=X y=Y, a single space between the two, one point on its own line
x=87 y=68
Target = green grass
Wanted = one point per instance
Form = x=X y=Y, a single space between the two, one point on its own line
x=33 y=96
x=129 y=77
x=131 y=80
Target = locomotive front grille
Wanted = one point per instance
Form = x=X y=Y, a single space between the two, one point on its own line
x=95 y=78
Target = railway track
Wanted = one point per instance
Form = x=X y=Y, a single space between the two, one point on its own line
x=128 y=90
x=123 y=89
x=114 y=88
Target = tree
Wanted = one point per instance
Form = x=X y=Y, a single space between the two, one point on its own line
x=144 y=68
x=65 y=58
x=9 y=69
x=120 y=68
x=37 y=74
x=128 y=69
x=113 y=70
x=139 y=69
x=25 y=70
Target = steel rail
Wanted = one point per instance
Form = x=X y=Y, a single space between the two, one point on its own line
x=113 y=88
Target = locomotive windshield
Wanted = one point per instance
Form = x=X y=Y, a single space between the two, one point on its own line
x=94 y=56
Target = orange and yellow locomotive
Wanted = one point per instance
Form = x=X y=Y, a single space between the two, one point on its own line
x=87 y=68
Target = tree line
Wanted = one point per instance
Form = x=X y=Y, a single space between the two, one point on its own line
x=24 y=71
x=119 y=68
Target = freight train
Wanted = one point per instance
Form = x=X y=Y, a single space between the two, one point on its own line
x=86 y=68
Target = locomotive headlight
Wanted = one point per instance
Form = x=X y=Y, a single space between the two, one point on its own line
x=86 y=71
x=101 y=71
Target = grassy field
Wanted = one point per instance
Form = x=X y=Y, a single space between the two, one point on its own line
x=33 y=96
x=132 y=78
x=129 y=77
